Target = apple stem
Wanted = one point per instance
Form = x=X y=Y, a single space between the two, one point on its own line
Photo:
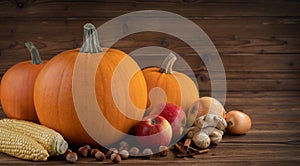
x=153 y=122
x=167 y=65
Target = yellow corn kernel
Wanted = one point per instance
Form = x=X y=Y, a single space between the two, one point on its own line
x=21 y=146
x=51 y=140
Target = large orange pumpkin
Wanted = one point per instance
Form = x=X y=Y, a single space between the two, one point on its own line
x=164 y=84
x=57 y=100
x=17 y=87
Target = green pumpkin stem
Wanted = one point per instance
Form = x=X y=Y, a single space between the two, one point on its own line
x=167 y=65
x=35 y=55
x=90 y=40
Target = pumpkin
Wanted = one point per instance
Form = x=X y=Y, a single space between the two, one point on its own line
x=74 y=79
x=166 y=85
x=17 y=86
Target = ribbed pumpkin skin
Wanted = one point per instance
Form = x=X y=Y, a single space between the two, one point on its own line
x=167 y=82
x=17 y=87
x=178 y=87
x=54 y=100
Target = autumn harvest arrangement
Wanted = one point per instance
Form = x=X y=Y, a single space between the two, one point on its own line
x=38 y=99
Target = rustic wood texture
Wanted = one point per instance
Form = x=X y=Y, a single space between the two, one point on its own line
x=258 y=42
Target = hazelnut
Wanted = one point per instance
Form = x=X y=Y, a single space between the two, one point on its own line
x=67 y=152
x=111 y=151
x=163 y=150
x=147 y=153
x=124 y=154
x=83 y=151
x=123 y=143
x=71 y=157
x=89 y=147
x=94 y=151
x=134 y=151
x=123 y=148
x=99 y=156
x=115 y=158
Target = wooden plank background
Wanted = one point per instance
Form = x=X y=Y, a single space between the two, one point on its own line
x=258 y=41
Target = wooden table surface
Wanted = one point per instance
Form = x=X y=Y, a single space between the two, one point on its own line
x=273 y=140
x=258 y=42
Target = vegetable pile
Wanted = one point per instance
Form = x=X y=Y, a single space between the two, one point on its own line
x=167 y=112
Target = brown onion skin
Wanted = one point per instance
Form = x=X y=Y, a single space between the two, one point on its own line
x=237 y=122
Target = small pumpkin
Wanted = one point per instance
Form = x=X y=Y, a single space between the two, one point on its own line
x=17 y=86
x=162 y=82
x=56 y=92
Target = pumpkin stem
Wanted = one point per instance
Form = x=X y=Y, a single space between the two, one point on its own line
x=167 y=65
x=90 y=39
x=35 y=55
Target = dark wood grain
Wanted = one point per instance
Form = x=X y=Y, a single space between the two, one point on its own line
x=258 y=42
x=108 y=9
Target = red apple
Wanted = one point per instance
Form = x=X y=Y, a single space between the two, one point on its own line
x=153 y=131
x=175 y=115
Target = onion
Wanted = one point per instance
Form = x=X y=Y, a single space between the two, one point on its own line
x=237 y=122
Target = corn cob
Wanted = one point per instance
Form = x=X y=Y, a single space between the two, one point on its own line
x=21 y=146
x=51 y=140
